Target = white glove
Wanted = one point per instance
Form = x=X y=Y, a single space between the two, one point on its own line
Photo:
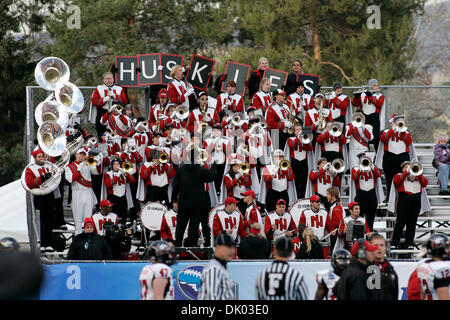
x=206 y=118
x=107 y=98
x=160 y=68
x=327 y=166
x=238 y=176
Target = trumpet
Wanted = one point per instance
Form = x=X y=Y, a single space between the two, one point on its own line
x=337 y=166
x=358 y=119
x=202 y=155
x=128 y=166
x=163 y=157
x=244 y=168
x=116 y=108
x=365 y=163
x=132 y=148
x=284 y=165
x=92 y=161
x=182 y=112
x=400 y=124
x=415 y=169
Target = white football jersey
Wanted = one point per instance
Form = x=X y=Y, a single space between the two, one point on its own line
x=151 y=272
x=430 y=270
x=329 y=279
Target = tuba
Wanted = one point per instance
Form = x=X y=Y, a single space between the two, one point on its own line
x=48 y=185
x=335 y=129
x=70 y=96
x=365 y=163
x=51 y=72
x=337 y=166
x=415 y=169
x=358 y=119
x=51 y=111
x=51 y=138
x=64 y=159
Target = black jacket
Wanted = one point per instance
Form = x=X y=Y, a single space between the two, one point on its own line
x=253 y=82
x=97 y=248
x=118 y=244
x=189 y=186
x=315 y=253
x=254 y=247
x=353 y=282
x=389 y=283
x=291 y=82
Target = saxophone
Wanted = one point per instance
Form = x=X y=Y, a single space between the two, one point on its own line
x=322 y=119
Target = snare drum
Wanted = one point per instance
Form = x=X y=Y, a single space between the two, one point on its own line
x=151 y=215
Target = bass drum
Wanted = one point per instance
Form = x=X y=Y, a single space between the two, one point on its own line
x=151 y=215
x=297 y=208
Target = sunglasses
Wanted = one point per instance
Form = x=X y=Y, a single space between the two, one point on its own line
x=203 y=99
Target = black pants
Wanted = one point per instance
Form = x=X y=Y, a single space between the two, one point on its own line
x=220 y=168
x=368 y=203
x=374 y=120
x=99 y=128
x=300 y=170
x=391 y=166
x=97 y=188
x=120 y=206
x=158 y=194
x=133 y=188
x=193 y=216
x=273 y=196
x=46 y=206
x=408 y=209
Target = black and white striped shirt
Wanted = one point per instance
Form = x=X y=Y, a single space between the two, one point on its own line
x=216 y=283
x=280 y=281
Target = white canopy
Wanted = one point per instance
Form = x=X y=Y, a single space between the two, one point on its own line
x=13 y=212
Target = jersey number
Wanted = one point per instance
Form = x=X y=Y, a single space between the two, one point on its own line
x=164 y=273
x=426 y=290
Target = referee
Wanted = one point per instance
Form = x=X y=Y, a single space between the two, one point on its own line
x=216 y=283
x=279 y=281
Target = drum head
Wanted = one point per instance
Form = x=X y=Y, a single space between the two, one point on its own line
x=297 y=208
x=152 y=214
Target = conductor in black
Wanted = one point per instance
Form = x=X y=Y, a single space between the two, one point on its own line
x=280 y=281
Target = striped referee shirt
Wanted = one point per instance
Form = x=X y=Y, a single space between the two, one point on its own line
x=216 y=283
x=280 y=281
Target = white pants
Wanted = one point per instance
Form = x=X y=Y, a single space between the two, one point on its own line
x=353 y=151
x=83 y=203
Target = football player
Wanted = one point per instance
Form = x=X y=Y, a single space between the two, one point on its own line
x=326 y=279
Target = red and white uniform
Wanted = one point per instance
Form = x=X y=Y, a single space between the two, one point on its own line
x=300 y=103
x=261 y=101
x=283 y=223
x=396 y=142
x=141 y=140
x=257 y=143
x=116 y=182
x=298 y=150
x=177 y=92
x=118 y=123
x=322 y=180
x=229 y=221
x=103 y=91
x=253 y=215
x=196 y=118
x=365 y=180
x=100 y=219
x=312 y=116
x=369 y=105
x=235 y=187
x=337 y=105
x=230 y=130
x=344 y=222
x=156 y=113
x=276 y=116
x=330 y=143
x=83 y=196
x=155 y=271
x=148 y=151
x=317 y=221
x=336 y=215
x=234 y=102
x=402 y=183
x=158 y=176
x=328 y=279
x=278 y=182
x=169 y=225
x=358 y=141
x=431 y=273
x=33 y=175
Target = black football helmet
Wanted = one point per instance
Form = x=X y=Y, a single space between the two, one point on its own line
x=339 y=260
x=161 y=251
x=9 y=245
x=438 y=246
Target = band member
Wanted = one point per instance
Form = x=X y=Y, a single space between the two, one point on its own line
x=157 y=111
x=409 y=203
x=395 y=148
x=252 y=213
x=293 y=78
x=371 y=104
x=259 y=144
x=256 y=78
x=169 y=223
x=262 y=99
x=277 y=117
x=279 y=223
x=141 y=136
x=229 y=221
x=318 y=117
x=366 y=188
x=237 y=182
x=174 y=117
x=35 y=176
x=299 y=152
x=79 y=174
x=157 y=145
x=116 y=181
x=316 y=218
x=117 y=122
x=299 y=101
x=103 y=97
x=277 y=183
x=336 y=213
x=230 y=102
x=321 y=180
x=202 y=114
x=178 y=90
x=338 y=104
x=355 y=209
x=234 y=126
x=331 y=145
x=105 y=214
x=358 y=137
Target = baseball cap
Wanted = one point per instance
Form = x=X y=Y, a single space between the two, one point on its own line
x=224 y=240
x=284 y=244
x=105 y=203
x=351 y=204
x=88 y=221
x=369 y=247
x=230 y=200
x=281 y=201
x=314 y=198
x=36 y=152
x=277 y=92
x=203 y=93
x=249 y=193
x=82 y=150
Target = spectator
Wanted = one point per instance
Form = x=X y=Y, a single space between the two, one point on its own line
x=442 y=162
x=293 y=77
x=256 y=76
x=255 y=246
x=119 y=240
x=311 y=247
x=88 y=245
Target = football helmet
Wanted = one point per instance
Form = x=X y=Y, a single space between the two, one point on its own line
x=9 y=244
x=438 y=245
x=339 y=260
x=161 y=251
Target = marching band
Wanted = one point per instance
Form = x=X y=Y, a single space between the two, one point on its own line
x=257 y=177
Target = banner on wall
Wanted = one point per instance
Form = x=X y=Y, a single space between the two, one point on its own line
x=120 y=281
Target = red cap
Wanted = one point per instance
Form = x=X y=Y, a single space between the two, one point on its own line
x=105 y=203
x=249 y=193
x=314 y=198
x=351 y=204
x=230 y=200
x=281 y=201
x=88 y=221
x=367 y=245
x=163 y=93
x=36 y=152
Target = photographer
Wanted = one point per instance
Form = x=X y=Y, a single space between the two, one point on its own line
x=118 y=239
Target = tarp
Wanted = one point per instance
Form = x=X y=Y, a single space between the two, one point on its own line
x=13 y=212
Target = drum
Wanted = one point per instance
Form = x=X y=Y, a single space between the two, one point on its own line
x=151 y=215
x=297 y=208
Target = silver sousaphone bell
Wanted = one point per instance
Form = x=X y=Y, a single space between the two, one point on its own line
x=51 y=111
x=70 y=96
x=51 y=138
x=51 y=72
